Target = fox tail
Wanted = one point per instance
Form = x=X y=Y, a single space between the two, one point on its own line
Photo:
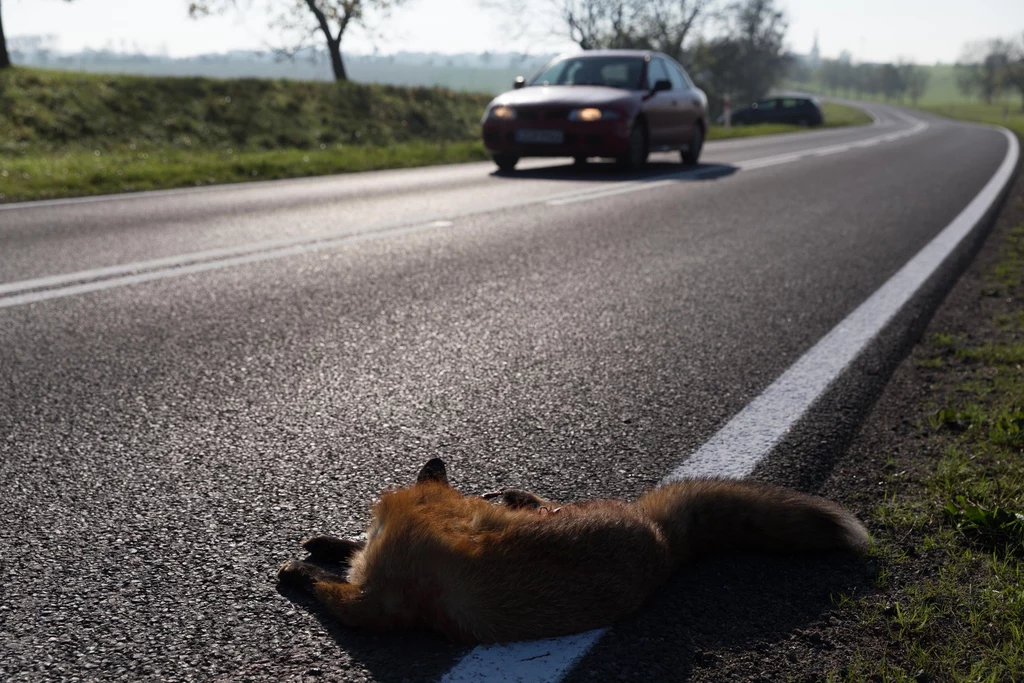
x=709 y=516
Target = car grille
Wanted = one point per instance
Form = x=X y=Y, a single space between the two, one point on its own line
x=542 y=113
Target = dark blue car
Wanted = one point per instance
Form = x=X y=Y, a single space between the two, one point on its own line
x=799 y=111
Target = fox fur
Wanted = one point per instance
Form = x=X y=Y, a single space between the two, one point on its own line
x=479 y=572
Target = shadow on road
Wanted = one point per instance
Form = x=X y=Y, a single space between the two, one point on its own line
x=721 y=618
x=392 y=658
x=611 y=172
x=714 y=618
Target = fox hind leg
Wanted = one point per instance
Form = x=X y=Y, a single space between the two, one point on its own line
x=344 y=601
x=303 y=576
x=332 y=549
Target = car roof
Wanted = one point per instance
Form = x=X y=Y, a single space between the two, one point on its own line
x=613 y=53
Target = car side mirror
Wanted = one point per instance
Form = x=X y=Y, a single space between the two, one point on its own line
x=518 y=83
x=661 y=85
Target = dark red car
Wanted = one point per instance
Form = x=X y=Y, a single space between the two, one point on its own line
x=600 y=103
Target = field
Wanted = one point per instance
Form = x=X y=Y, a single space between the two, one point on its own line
x=438 y=72
x=941 y=90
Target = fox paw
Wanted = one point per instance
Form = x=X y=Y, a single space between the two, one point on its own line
x=299 y=575
x=331 y=548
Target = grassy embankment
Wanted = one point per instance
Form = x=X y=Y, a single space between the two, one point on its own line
x=65 y=134
x=71 y=134
x=951 y=588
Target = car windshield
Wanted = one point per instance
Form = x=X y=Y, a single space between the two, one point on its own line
x=613 y=72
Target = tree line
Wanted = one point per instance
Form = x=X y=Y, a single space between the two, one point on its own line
x=992 y=68
x=891 y=81
x=733 y=47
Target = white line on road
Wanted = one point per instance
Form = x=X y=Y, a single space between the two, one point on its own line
x=179 y=270
x=737 y=448
x=748 y=437
x=81 y=282
x=751 y=165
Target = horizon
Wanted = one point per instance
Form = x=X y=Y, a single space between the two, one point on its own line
x=419 y=27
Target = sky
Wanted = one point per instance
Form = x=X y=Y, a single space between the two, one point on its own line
x=925 y=31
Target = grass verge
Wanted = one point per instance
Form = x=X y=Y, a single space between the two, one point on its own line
x=80 y=173
x=72 y=134
x=950 y=604
x=1011 y=117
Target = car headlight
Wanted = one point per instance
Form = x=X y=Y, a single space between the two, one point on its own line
x=502 y=113
x=593 y=114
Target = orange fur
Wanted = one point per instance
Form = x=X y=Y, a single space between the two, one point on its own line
x=529 y=568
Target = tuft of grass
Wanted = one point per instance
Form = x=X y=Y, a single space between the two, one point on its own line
x=995 y=529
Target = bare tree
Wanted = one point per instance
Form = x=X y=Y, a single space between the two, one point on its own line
x=1014 y=76
x=663 y=25
x=757 y=28
x=330 y=18
x=594 y=24
x=913 y=79
x=982 y=68
x=669 y=24
x=5 y=59
x=746 y=57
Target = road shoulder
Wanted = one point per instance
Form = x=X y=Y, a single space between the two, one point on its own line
x=929 y=471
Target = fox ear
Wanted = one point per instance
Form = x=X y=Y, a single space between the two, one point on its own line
x=433 y=471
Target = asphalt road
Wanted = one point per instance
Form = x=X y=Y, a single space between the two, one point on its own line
x=166 y=443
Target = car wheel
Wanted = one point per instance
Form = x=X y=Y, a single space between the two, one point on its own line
x=580 y=161
x=691 y=155
x=636 y=156
x=506 y=162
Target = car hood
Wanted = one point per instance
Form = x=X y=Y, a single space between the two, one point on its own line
x=565 y=95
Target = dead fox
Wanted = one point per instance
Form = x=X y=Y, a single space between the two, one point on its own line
x=529 y=568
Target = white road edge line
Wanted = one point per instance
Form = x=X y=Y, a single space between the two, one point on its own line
x=749 y=436
x=97 y=279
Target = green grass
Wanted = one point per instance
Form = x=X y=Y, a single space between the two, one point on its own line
x=51 y=111
x=952 y=550
x=72 y=134
x=1006 y=115
x=80 y=173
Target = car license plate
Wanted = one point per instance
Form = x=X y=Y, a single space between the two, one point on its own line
x=540 y=136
